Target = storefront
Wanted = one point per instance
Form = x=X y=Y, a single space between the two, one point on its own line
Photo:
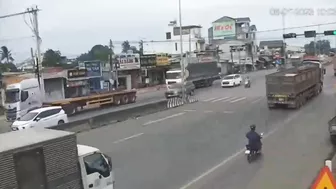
x=129 y=70
x=162 y=65
x=94 y=74
x=77 y=83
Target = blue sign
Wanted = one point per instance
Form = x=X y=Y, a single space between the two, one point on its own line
x=93 y=68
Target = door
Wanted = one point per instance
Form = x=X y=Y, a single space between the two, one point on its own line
x=30 y=169
x=98 y=171
x=45 y=119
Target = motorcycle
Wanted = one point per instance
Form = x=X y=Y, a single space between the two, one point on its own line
x=252 y=154
x=247 y=84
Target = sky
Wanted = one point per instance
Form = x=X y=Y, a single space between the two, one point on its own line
x=74 y=26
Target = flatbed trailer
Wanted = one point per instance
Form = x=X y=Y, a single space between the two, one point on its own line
x=74 y=105
x=293 y=87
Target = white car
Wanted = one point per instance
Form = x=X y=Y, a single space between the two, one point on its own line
x=231 y=80
x=42 y=117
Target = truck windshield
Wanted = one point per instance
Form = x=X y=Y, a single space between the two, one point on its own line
x=175 y=75
x=29 y=116
x=12 y=95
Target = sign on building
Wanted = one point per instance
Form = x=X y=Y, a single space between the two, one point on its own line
x=93 y=68
x=224 y=29
x=162 y=60
x=77 y=73
x=148 y=60
x=128 y=61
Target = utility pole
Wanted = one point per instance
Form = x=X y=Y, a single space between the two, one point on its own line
x=181 y=48
x=141 y=47
x=113 y=65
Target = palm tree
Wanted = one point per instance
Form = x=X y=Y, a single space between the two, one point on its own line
x=6 y=55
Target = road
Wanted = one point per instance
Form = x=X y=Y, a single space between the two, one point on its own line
x=200 y=145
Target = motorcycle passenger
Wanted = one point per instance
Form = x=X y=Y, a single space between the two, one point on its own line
x=254 y=139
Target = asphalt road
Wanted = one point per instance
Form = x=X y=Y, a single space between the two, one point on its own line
x=200 y=145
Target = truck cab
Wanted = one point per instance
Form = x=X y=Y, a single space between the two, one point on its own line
x=96 y=168
x=20 y=97
x=173 y=76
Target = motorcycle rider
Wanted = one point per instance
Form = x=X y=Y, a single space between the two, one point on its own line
x=247 y=81
x=254 y=139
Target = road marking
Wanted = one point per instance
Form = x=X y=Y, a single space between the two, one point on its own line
x=220 y=99
x=208 y=111
x=229 y=99
x=255 y=101
x=162 y=119
x=235 y=155
x=189 y=110
x=228 y=112
x=207 y=100
x=239 y=99
x=124 y=139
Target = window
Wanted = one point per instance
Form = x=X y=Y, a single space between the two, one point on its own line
x=168 y=35
x=24 y=96
x=45 y=114
x=12 y=95
x=96 y=163
x=28 y=116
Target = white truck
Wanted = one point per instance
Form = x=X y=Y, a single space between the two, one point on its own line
x=45 y=158
x=20 y=95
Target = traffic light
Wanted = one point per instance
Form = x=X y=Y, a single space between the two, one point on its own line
x=311 y=33
x=289 y=35
x=330 y=32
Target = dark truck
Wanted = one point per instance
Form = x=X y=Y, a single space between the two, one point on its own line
x=332 y=130
x=293 y=87
x=40 y=158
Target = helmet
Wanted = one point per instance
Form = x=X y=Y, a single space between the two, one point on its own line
x=253 y=127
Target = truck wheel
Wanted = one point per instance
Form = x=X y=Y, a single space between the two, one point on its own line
x=125 y=99
x=117 y=101
x=192 y=93
x=132 y=99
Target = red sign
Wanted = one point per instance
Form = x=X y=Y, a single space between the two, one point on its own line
x=324 y=180
x=223 y=27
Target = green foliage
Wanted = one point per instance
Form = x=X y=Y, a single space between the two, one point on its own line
x=6 y=55
x=51 y=58
x=97 y=52
x=322 y=47
x=126 y=46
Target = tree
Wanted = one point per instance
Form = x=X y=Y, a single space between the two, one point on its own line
x=125 y=46
x=97 y=52
x=6 y=55
x=322 y=47
x=51 y=58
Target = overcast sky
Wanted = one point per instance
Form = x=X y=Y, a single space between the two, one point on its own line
x=74 y=26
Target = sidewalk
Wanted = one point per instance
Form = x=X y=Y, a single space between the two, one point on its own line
x=151 y=89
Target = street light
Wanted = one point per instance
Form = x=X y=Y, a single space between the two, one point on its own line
x=181 y=47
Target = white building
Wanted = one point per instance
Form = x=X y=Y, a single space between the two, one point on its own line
x=191 y=37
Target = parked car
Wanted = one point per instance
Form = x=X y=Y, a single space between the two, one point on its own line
x=231 y=80
x=41 y=117
x=175 y=90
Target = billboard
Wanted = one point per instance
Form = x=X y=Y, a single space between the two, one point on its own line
x=162 y=60
x=148 y=60
x=128 y=61
x=93 y=68
x=224 y=29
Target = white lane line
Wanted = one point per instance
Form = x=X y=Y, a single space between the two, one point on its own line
x=220 y=99
x=124 y=139
x=237 y=100
x=255 y=101
x=207 y=100
x=162 y=119
x=229 y=99
x=208 y=111
x=228 y=112
x=235 y=155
